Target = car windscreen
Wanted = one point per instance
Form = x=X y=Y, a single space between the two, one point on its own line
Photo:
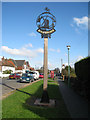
x=32 y=72
x=17 y=74
x=41 y=73
x=11 y=74
x=24 y=75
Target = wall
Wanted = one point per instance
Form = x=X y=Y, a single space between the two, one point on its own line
x=4 y=75
x=8 y=68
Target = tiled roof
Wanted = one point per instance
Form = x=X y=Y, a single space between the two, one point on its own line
x=6 y=63
x=14 y=62
x=20 y=62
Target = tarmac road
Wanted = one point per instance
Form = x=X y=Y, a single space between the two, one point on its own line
x=9 y=85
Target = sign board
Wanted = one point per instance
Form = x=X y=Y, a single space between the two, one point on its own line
x=46 y=32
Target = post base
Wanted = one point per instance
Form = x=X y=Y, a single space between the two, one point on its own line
x=45 y=97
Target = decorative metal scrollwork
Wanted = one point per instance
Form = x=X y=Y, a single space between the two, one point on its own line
x=46 y=22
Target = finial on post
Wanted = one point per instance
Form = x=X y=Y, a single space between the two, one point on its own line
x=47 y=9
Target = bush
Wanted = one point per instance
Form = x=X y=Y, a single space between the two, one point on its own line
x=81 y=69
x=7 y=72
x=72 y=72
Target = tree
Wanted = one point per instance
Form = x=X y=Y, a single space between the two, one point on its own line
x=57 y=70
x=65 y=71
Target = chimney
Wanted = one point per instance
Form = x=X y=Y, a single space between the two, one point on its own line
x=3 y=58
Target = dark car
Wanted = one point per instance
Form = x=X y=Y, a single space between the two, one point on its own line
x=14 y=76
x=26 y=78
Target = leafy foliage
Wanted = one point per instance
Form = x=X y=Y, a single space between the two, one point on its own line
x=72 y=71
x=7 y=72
x=57 y=70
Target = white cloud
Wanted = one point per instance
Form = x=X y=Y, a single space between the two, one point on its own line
x=40 y=50
x=72 y=25
x=77 y=30
x=81 y=22
x=74 y=61
x=29 y=45
x=22 y=52
x=79 y=58
x=32 y=34
x=66 y=54
x=58 y=50
x=51 y=66
x=52 y=50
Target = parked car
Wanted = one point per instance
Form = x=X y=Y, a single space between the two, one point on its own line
x=26 y=78
x=14 y=76
x=49 y=76
x=41 y=75
x=35 y=74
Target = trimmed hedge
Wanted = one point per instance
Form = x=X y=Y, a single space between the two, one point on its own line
x=82 y=70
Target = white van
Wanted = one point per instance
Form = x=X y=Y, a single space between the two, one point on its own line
x=35 y=74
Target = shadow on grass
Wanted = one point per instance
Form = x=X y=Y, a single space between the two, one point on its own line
x=50 y=80
x=25 y=104
x=58 y=111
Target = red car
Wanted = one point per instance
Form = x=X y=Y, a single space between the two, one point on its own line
x=41 y=75
x=14 y=76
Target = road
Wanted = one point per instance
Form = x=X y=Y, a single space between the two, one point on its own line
x=9 y=85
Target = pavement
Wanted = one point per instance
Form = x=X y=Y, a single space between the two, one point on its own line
x=76 y=105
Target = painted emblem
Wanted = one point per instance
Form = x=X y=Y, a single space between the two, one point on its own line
x=46 y=22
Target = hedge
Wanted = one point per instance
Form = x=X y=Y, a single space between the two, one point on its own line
x=82 y=72
x=82 y=68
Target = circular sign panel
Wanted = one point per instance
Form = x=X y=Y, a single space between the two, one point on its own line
x=46 y=23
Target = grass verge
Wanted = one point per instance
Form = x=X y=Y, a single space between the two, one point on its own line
x=14 y=106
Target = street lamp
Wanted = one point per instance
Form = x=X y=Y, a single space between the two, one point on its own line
x=68 y=47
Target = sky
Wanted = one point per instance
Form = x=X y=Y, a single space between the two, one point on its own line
x=21 y=41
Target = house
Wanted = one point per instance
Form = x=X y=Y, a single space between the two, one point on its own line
x=21 y=66
x=5 y=65
x=17 y=66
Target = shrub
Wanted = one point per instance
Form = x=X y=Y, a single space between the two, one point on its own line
x=81 y=70
x=7 y=72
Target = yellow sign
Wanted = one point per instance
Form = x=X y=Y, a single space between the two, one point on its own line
x=46 y=32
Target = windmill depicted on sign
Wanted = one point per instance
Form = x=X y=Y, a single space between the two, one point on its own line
x=45 y=23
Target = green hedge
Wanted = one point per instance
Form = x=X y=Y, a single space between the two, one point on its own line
x=82 y=70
